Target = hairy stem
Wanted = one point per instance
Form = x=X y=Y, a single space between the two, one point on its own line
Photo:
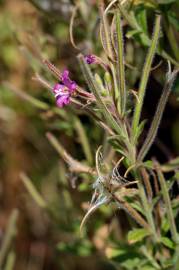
x=145 y=75
x=167 y=200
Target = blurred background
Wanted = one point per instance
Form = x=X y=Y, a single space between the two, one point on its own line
x=42 y=202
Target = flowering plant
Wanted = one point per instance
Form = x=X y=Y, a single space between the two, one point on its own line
x=125 y=179
x=124 y=173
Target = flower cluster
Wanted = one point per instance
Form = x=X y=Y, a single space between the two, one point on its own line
x=64 y=90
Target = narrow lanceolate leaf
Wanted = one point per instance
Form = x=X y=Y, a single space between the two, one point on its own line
x=157 y=117
x=172 y=165
x=120 y=63
x=137 y=235
x=105 y=34
x=95 y=89
x=145 y=75
x=139 y=130
x=168 y=242
x=108 y=47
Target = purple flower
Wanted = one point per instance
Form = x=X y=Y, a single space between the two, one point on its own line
x=64 y=90
x=71 y=85
x=62 y=100
x=62 y=95
x=90 y=59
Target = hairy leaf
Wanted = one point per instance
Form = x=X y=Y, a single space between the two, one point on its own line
x=157 y=117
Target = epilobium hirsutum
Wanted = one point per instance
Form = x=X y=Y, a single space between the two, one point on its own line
x=108 y=101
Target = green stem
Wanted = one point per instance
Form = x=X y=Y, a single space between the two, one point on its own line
x=176 y=257
x=10 y=261
x=145 y=75
x=120 y=63
x=147 y=209
x=33 y=191
x=166 y=198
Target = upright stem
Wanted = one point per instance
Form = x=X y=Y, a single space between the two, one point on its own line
x=171 y=218
x=145 y=75
x=147 y=209
x=166 y=198
x=120 y=63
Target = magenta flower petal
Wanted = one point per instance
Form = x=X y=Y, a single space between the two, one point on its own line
x=63 y=91
x=58 y=87
x=65 y=74
x=62 y=100
x=71 y=85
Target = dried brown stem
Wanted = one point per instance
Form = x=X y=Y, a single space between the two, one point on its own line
x=146 y=180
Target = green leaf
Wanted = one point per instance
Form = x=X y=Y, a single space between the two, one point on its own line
x=132 y=33
x=137 y=235
x=78 y=248
x=116 y=142
x=148 y=164
x=173 y=19
x=165 y=225
x=139 y=130
x=172 y=165
x=168 y=242
x=142 y=18
x=126 y=256
x=168 y=263
x=136 y=205
x=148 y=267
